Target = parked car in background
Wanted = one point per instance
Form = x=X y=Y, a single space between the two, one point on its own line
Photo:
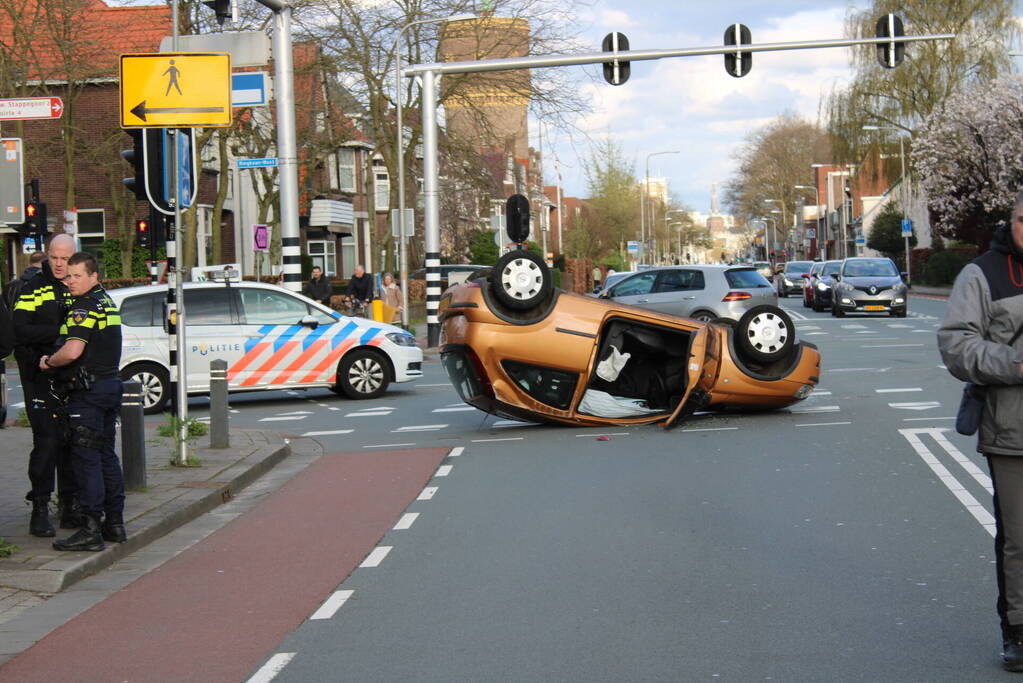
x=271 y=339
x=823 y=285
x=450 y=273
x=515 y=347
x=764 y=268
x=870 y=285
x=790 y=279
x=701 y=292
x=611 y=279
x=809 y=280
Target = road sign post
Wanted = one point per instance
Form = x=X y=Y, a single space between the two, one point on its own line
x=175 y=90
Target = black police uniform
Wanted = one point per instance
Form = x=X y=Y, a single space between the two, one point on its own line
x=37 y=316
x=94 y=401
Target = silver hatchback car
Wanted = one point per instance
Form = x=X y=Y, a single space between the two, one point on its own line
x=701 y=292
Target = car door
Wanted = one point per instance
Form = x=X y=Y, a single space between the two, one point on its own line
x=677 y=291
x=283 y=336
x=212 y=332
x=635 y=290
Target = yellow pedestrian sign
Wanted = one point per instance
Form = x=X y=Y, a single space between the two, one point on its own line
x=175 y=90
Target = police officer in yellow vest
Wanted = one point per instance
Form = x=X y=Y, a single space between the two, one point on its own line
x=85 y=371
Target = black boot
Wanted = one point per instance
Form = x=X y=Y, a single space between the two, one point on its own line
x=113 y=528
x=39 y=524
x=1012 y=648
x=71 y=516
x=88 y=537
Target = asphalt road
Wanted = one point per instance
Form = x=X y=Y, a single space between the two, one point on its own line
x=847 y=538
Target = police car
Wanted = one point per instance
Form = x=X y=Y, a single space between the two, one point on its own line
x=270 y=337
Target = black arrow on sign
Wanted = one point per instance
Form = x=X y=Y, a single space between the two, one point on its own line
x=140 y=110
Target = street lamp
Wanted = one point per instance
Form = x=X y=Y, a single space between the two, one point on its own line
x=782 y=212
x=643 y=197
x=902 y=181
x=679 y=232
x=817 y=210
x=399 y=144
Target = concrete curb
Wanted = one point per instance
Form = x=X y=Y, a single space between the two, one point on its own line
x=70 y=568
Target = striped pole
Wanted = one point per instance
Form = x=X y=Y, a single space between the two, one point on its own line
x=172 y=316
x=432 y=209
x=291 y=257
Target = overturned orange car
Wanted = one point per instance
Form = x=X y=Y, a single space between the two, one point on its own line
x=516 y=347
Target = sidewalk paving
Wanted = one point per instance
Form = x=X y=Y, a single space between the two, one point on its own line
x=173 y=496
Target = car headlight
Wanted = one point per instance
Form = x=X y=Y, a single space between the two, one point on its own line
x=401 y=338
x=821 y=286
x=788 y=282
x=898 y=300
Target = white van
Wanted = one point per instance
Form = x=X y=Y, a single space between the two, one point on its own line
x=270 y=337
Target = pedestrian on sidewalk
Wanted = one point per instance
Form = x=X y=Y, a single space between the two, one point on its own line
x=980 y=342
x=390 y=292
x=318 y=288
x=37 y=316
x=85 y=372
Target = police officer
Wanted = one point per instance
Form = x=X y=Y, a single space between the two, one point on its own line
x=85 y=370
x=37 y=316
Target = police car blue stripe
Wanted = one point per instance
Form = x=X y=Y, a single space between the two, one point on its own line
x=263 y=331
x=285 y=336
x=370 y=333
x=345 y=332
x=314 y=335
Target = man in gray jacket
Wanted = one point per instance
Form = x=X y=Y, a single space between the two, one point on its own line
x=985 y=311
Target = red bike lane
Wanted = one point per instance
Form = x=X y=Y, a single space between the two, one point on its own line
x=216 y=611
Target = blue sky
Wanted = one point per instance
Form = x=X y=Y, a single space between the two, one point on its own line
x=690 y=104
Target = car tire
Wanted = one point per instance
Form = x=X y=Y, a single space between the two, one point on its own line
x=156 y=387
x=362 y=374
x=703 y=316
x=837 y=311
x=817 y=306
x=521 y=280
x=765 y=334
x=806 y=304
x=899 y=314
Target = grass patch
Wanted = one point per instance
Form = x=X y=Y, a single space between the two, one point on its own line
x=22 y=420
x=7 y=549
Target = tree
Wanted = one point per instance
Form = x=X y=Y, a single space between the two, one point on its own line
x=482 y=249
x=613 y=201
x=771 y=162
x=931 y=71
x=886 y=232
x=967 y=153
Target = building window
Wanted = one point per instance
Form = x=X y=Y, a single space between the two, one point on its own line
x=91 y=230
x=322 y=253
x=349 y=257
x=382 y=187
x=346 y=169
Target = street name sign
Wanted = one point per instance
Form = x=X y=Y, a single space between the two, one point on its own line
x=907 y=227
x=175 y=90
x=265 y=162
x=248 y=89
x=22 y=108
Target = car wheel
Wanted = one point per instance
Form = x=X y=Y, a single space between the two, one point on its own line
x=704 y=316
x=899 y=314
x=155 y=381
x=362 y=374
x=521 y=280
x=806 y=304
x=837 y=311
x=817 y=307
x=765 y=334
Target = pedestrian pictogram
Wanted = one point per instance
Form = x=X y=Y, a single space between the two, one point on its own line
x=175 y=90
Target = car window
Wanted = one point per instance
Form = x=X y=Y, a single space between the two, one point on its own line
x=744 y=278
x=142 y=310
x=679 y=280
x=870 y=268
x=208 y=306
x=323 y=318
x=547 y=385
x=816 y=268
x=637 y=284
x=797 y=268
x=831 y=268
x=270 y=307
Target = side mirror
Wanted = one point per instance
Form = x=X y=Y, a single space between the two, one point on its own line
x=605 y=295
x=805 y=275
x=309 y=321
x=904 y=275
x=836 y=277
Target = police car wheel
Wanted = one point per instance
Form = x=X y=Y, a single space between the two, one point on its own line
x=362 y=374
x=155 y=385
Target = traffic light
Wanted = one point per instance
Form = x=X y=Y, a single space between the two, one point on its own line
x=890 y=54
x=143 y=232
x=147 y=160
x=737 y=63
x=616 y=71
x=224 y=9
x=35 y=219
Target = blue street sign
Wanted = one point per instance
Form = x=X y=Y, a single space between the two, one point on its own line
x=186 y=166
x=633 y=247
x=248 y=89
x=257 y=163
x=907 y=227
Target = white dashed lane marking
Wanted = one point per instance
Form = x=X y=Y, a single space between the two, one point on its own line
x=376 y=556
x=329 y=608
x=897 y=391
x=406 y=521
x=273 y=666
